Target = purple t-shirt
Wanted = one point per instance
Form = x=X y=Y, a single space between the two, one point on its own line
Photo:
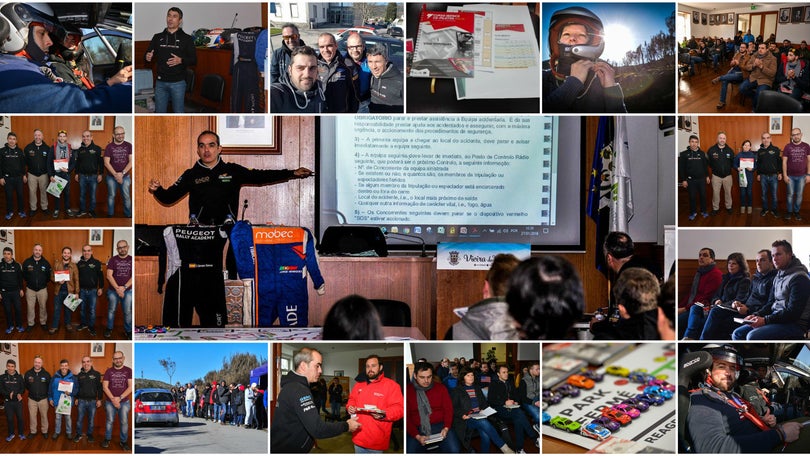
x=796 y=158
x=118 y=379
x=121 y=268
x=118 y=154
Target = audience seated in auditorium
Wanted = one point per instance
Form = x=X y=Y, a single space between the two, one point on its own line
x=704 y=286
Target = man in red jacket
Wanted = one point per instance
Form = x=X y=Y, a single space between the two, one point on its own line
x=704 y=286
x=377 y=402
x=430 y=413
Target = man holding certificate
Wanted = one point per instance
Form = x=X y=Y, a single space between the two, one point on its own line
x=65 y=274
x=377 y=403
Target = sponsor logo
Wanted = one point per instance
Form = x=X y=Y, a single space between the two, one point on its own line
x=201 y=180
x=273 y=234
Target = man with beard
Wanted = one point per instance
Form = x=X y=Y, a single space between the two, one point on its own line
x=301 y=93
x=66 y=277
x=356 y=50
x=290 y=39
x=117 y=386
x=64 y=161
x=763 y=69
x=377 y=403
x=796 y=169
x=338 y=80
x=386 y=83
x=529 y=392
x=118 y=162
x=430 y=412
x=704 y=286
x=504 y=397
x=786 y=315
x=792 y=76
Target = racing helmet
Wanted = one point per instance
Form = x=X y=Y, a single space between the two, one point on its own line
x=20 y=16
x=727 y=353
x=565 y=54
x=67 y=41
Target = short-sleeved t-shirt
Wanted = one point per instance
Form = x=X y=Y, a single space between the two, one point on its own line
x=119 y=379
x=121 y=268
x=118 y=154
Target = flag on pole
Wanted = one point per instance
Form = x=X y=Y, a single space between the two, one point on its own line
x=621 y=201
x=598 y=207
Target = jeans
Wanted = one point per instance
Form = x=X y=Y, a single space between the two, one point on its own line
x=729 y=78
x=697 y=193
x=58 y=304
x=773 y=331
x=748 y=87
x=174 y=90
x=126 y=307
x=795 y=185
x=88 y=307
x=692 y=61
x=125 y=186
x=87 y=184
x=768 y=182
x=14 y=184
x=12 y=304
x=123 y=419
x=65 y=196
x=697 y=321
x=719 y=325
x=335 y=408
x=14 y=410
x=189 y=408
x=86 y=407
x=533 y=411
x=448 y=445
x=520 y=422
x=216 y=412
x=487 y=432
x=359 y=449
x=747 y=192
x=58 y=424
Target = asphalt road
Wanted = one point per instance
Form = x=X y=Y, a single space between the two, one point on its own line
x=195 y=435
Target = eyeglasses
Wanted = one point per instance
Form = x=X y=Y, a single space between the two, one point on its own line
x=355 y=47
x=118 y=359
x=289 y=37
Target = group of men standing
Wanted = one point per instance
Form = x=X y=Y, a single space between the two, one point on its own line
x=770 y=164
x=39 y=165
x=83 y=280
x=85 y=390
x=306 y=81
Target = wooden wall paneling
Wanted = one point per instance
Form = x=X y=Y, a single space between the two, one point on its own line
x=687 y=268
x=51 y=354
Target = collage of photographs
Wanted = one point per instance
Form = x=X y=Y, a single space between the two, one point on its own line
x=337 y=227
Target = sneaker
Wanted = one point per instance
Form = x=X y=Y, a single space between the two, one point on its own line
x=45 y=436
x=55 y=436
x=93 y=332
x=715 y=212
x=20 y=329
x=705 y=215
x=787 y=216
x=30 y=328
x=70 y=213
x=52 y=331
x=82 y=214
x=81 y=327
x=22 y=216
x=10 y=438
x=124 y=446
x=46 y=212
x=93 y=214
x=69 y=436
x=44 y=327
x=22 y=437
x=32 y=435
x=10 y=330
x=77 y=439
x=692 y=215
x=763 y=213
x=107 y=333
x=56 y=213
x=797 y=216
x=9 y=216
x=69 y=327
x=742 y=209
x=775 y=213
x=728 y=209
x=90 y=438
x=105 y=443
x=721 y=105
x=32 y=213
x=750 y=209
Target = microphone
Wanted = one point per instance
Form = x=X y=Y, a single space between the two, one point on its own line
x=234 y=19
x=406 y=237
x=244 y=207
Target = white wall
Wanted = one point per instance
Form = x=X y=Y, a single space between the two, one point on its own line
x=345 y=360
x=435 y=352
x=727 y=241
x=528 y=351
x=150 y=18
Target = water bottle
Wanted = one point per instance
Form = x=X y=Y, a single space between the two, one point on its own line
x=192 y=220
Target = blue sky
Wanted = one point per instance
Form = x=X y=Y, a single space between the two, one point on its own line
x=640 y=20
x=193 y=359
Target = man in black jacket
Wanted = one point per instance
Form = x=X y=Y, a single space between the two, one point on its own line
x=37 y=382
x=88 y=399
x=769 y=172
x=11 y=283
x=12 y=387
x=340 y=81
x=37 y=274
x=290 y=39
x=173 y=51
x=89 y=168
x=504 y=397
x=296 y=409
x=721 y=159
x=91 y=285
x=636 y=294
x=301 y=92
x=39 y=159
x=12 y=174
x=693 y=169
x=386 y=82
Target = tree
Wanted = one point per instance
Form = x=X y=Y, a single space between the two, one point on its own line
x=169 y=366
x=364 y=11
x=391 y=12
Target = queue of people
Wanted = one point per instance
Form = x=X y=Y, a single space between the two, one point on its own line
x=223 y=403
x=38 y=165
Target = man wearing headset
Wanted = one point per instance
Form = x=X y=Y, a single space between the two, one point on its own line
x=577 y=81
x=721 y=421
x=30 y=84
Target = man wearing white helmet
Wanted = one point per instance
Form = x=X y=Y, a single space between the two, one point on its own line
x=29 y=83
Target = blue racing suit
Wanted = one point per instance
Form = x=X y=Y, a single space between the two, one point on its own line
x=278 y=258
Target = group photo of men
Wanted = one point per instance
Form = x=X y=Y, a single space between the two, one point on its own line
x=66 y=284
x=72 y=397
x=752 y=287
x=742 y=171
x=365 y=388
x=66 y=171
x=743 y=60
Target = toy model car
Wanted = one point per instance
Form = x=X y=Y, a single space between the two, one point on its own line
x=594 y=431
x=609 y=423
x=642 y=406
x=621 y=417
x=666 y=394
x=652 y=399
x=546 y=418
x=593 y=375
x=565 y=424
x=639 y=376
x=632 y=412
x=617 y=370
x=580 y=381
x=662 y=383
x=568 y=390
x=552 y=397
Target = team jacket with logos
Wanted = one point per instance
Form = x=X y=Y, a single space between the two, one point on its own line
x=386 y=395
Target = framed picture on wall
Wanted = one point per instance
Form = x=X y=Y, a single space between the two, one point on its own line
x=696 y=17
x=97 y=349
x=723 y=19
x=96 y=123
x=96 y=237
x=703 y=18
x=730 y=18
x=797 y=14
x=784 y=15
x=775 y=125
x=687 y=123
x=248 y=134
x=807 y=14
x=712 y=18
x=339 y=373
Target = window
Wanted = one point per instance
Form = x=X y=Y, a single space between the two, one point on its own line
x=278 y=10
x=683 y=26
x=293 y=10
